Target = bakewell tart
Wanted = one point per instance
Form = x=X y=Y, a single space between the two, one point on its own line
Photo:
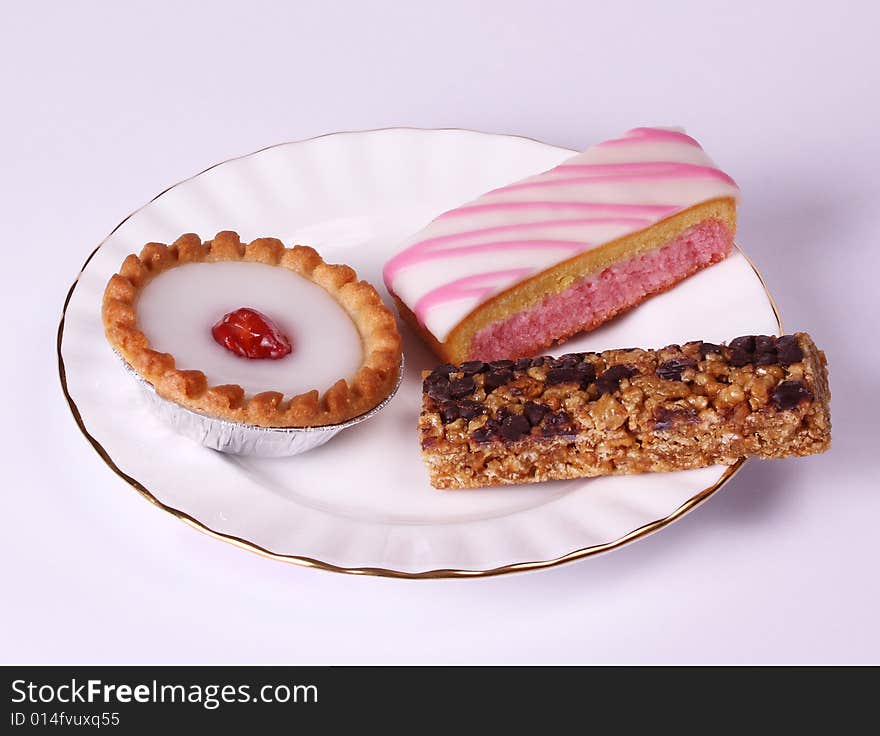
x=536 y=261
x=257 y=334
x=624 y=411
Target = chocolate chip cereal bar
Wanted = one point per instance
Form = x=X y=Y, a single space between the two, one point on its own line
x=624 y=411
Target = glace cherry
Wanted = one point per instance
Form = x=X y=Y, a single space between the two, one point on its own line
x=251 y=334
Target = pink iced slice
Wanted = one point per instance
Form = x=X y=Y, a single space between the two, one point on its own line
x=595 y=300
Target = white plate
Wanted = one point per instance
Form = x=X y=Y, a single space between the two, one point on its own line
x=362 y=503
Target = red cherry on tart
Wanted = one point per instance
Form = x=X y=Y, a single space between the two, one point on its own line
x=251 y=334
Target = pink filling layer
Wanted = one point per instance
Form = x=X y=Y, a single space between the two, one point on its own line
x=591 y=302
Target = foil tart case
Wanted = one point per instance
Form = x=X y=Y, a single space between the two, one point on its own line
x=236 y=438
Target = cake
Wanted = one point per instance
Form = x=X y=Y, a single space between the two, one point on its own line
x=624 y=411
x=536 y=261
x=257 y=334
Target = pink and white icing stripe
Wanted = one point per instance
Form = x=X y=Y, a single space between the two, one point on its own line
x=469 y=254
x=653 y=135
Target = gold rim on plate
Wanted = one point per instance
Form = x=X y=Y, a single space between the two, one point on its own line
x=638 y=533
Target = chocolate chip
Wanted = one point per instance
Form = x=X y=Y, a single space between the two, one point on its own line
x=493 y=424
x=765 y=350
x=449 y=411
x=739 y=358
x=742 y=351
x=441 y=372
x=472 y=367
x=563 y=375
x=557 y=423
x=664 y=418
x=483 y=435
x=437 y=388
x=535 y=412
x=497 y=378
x=570 y=359
x=514 y=427
x=523 y=364
x=709 y=348
x=671 y=370
x=582 y=374
x=788 y=350
x=788 y=394
x=434 y=378
x=461 y=387
x=765 y=344
x=588 y=373
x=539 y=361
x=745 y=343
x=468 y=409
x=501 y=364
x=436 y=382
x=609 y=381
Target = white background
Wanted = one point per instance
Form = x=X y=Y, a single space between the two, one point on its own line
x=105 y=104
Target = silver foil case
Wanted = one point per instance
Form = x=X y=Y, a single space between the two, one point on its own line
x=236 y=438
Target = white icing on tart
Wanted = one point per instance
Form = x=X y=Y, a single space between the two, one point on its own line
x=177 y=309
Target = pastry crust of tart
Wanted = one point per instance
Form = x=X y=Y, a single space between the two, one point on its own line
x=321 y=406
